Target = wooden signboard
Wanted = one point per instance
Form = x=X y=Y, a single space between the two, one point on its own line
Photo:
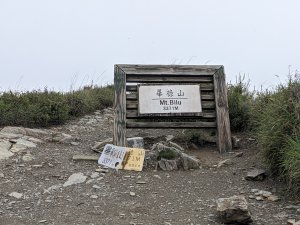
x=171 y=96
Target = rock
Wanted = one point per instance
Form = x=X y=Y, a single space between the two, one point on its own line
x=75 y=178
x=141 y=182
x=259 y=198
x=16 y=195
x=236 y=142
x=251 y=196
x=62 y=138
x=167 y=165
x=239 y=154
x=35 y=140
x=225 y=162
x=293 y=222
x=53 y=188
x=95 y=175
x=96 y=187
x=157 y=176
x=9 y=135
x=161 y=149
x=27 y=157
x=1 y=175
x=256 y=175
x=21 y=144
x=189 y=162
x=254 y=190
x=169 y=137
x=233 y=210
x=102 y=170
x=38 y=133
x=135 y=142
x=273 y=198
x=74 y=143
x=265 y=194
x=4 y=149
x=14 y=130
x=94 y=196
x=99 y=146
x=132 y=193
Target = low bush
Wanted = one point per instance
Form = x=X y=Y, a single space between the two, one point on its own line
x=46 y=108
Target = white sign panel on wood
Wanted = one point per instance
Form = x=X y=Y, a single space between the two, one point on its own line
x=169 y=99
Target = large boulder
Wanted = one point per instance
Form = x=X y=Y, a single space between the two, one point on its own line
x=234 y=210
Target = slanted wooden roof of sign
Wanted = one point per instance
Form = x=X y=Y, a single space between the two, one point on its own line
x=204 y=70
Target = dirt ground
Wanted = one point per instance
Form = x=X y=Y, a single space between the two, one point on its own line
x=121 y=197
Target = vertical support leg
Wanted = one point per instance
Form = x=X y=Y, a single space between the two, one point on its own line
x=223 y=123
x=119 y=133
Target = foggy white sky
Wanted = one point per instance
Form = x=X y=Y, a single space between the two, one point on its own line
x=70 y=43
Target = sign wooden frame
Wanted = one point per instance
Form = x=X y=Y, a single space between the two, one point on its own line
x=211 y=79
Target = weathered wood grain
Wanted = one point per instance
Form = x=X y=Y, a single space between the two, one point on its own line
x=169 y=79
x=194 y=70
x=130 y=114
x=119 y=132
x=134 y=124
x=203 y=87
x=213 y=99
x=223 y=128
x=85 y=157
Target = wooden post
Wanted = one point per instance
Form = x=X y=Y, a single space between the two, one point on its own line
x=119 y=132
x=223 y=124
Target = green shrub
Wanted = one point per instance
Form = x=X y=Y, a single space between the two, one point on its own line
x=240 y=101
x=46 y=108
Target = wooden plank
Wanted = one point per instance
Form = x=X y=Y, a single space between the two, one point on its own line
x=223 y=130
x=119 y=132
x=133 y=96
x=194 y=70
x=203 y=87
x=169 y=79
x=134 y=114
x=134 y=124
x=86 y=157
x=205 y=104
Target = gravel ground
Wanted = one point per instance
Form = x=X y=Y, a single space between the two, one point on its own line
x=110 y=197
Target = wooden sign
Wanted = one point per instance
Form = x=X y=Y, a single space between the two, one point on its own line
x=145 y=98
x=160 y=99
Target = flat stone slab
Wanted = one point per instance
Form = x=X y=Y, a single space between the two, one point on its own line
x=256 y=175
x=75 y=178
x=5 y=152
